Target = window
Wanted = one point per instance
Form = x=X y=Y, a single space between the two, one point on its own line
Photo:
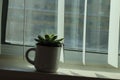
x=85 y=25
x=40 y=17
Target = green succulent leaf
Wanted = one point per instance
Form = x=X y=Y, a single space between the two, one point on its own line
x=49 y=40
x=59 y=39
x=47 y=37
x=54 y=38
x=37 y=40
x=40 y=38
x=51 y=35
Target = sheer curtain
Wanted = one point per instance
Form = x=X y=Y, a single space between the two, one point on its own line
x=91 y=26
x=87 y=26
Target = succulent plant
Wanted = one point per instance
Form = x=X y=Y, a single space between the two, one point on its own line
x=49 y=40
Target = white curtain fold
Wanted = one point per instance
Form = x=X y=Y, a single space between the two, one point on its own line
x=114 y=32
x=84 y=32
x=60 y=24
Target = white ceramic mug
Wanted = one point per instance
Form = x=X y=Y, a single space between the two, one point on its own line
x=46 y=58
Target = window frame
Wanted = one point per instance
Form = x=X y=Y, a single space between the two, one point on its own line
x=4 y=20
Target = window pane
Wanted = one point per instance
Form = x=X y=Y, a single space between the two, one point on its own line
x=97 y=25
x=74 y=16
x=15 y=22
x=41 y=18
x=28 y=18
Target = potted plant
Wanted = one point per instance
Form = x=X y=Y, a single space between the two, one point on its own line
x=47 y=53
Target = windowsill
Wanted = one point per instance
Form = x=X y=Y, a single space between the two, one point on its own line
x=16 y=68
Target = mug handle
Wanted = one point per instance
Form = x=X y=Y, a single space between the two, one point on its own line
x=27 y=55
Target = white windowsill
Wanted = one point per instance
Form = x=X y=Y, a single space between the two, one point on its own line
x=15 y=68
